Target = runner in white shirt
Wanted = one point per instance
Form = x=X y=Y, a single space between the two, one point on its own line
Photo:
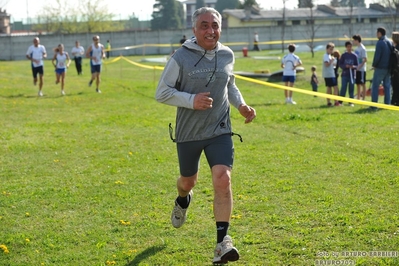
x=61 y=62
x=289 y=63
x=35 y=54
x=77 y=52
x=96 y=53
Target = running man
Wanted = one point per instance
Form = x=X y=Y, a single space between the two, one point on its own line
x=35 y=54
x=96 y=54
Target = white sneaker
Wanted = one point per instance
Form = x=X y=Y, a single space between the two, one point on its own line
x=290 y=101
x=62 y=92
x=351 y=105
x=179 y=215
x=225 y=251
x=98 y=91
x=40 y=94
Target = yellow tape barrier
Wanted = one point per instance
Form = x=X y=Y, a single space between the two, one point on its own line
x=282 y=87
x=239 y=43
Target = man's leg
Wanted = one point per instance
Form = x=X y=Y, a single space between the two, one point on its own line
x=185 y=185
x=77 y=65
x=184 y=189
x=387 y=87
x=40 y=81
x=222 y=209
x=329 y=91
x=344 y=85
x=223 y=198
x=363 y=91
x=375 y=85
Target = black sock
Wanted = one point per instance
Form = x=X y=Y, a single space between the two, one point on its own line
x=184 y=201
x=221 y=230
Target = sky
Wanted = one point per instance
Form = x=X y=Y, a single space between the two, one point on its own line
x=21 y=9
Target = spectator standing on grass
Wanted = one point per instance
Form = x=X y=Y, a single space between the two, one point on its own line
x=96 y=54
x=361 y=53
x=314 y=80
x=395 y=71
x=381 y=66
x=289 y=63
x=336 y=55
x=182 y=40
x=329 y=74
x=78 y=52
x=199 y=80
x=108 y=48
x=256 y=42
x=348 y=63
x=61 y=62
x=36 y=53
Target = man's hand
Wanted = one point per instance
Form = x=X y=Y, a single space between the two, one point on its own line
x=248 y=112
x=202 y=101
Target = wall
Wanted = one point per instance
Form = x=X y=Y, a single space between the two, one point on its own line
x=164 y=42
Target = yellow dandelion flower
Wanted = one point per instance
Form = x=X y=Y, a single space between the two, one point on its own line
x=27 y=214
x=118 y=182
x=124 y=222
x=4 y=248
x=130 y=153
x=114 y=256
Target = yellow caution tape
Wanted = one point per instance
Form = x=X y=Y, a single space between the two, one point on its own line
x=282 y=87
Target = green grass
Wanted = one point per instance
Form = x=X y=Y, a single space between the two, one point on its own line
x=89 y=179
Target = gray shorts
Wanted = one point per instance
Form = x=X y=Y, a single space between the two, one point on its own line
x=218 y=150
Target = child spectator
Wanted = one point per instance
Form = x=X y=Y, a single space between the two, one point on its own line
x=328 y=72
x=289 y=63
x=313 y=80
x=348 y=63
x=361 y=68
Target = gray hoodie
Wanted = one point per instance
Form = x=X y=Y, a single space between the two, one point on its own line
x=197 y=70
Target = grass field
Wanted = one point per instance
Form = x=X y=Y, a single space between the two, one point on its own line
x=89 y=179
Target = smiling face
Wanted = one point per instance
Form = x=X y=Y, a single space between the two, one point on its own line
x=207 y=30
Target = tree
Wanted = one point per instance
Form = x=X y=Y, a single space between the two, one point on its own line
x=226 y=4
x=312 y=28
x=91 y=17
x=199 y=4
x=182 y=15
x=96 y=16
x=283 y=25
x=334 y=3
x=393 y=9
x=166 y=15
x=305 y=3
x=248 y=4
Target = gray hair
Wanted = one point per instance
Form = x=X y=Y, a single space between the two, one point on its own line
x=204 y=10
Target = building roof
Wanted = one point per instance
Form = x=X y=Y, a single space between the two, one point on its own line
x=193 y=2
x=319 y=12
